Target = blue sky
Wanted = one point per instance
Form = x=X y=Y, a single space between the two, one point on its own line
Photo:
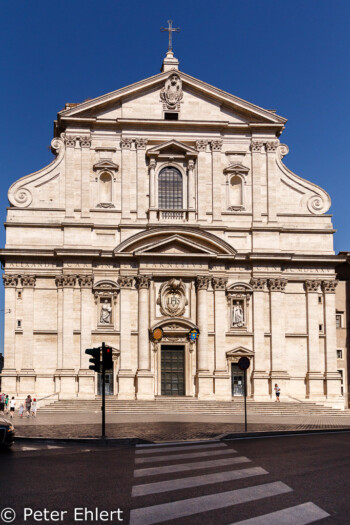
x=290 y=55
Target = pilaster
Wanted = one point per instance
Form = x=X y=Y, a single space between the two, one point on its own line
x=272 y=180
x=142 y=190
x=278 y=372
x=9 y=371
x=126 y=168
x=191 y=190
x=85 y=143
x=204 y=378
x=221 y=375
x=203 y=171
x=144 y=376
x=28 y=283
x=314 y=378
x=257 y=170
x=260 y=374
x=65 y=373
x=126 y=375
x=216 y=146
x=70 y=143
x=332 y=377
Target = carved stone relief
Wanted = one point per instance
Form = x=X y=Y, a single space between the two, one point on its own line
x=172 y=94
x=172 y=298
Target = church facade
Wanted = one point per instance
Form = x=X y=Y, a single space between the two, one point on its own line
x=169 y=228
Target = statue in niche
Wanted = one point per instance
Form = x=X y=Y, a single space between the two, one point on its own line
x=237 y=314
x=106 y=312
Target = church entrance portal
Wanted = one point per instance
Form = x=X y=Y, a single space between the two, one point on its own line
x=237 y=380
x=173 y=370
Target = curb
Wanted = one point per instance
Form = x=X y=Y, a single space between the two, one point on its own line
x=139 y=441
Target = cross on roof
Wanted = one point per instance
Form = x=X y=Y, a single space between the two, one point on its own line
x=170 y=30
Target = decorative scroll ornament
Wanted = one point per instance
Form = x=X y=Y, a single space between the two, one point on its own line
x=65 y=280
x=317 y=205
x=201 y=145
x=10 y=280
x=202 y=282
x=312 y=285
x=85 y=281
x=125 y=281
x=23 y=197
x=172 y=94
x=28 y=280
x=329 y=286
x=126 y=143
x=216 y=145
x=172 y=298
x=141 y=143
x=256 y=145
x=257 y=283
x=85 y=142
x=271 y=146
x=143 y=281
x=219 y=283
x=277 y=285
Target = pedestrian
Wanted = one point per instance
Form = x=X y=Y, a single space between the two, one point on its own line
x=277 y=392
x=34 y=408
x=2 y=402
x=7 y=400
x=12 y=407
x=21 y=410
x=28 y=404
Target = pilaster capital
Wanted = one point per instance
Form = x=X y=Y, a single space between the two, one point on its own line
x=277 y=285
x=125 y=281
x=219 y=283
x=10 y=280
x=201 y=145
x=329 y=286
x=70 y=141
x=311 y=285
x=256 y=146
x=143 y=281
x=271 y=145
x=67 y=281
x=216 y=145
x=28 y=280
x=85 y=281
x=85 y=142
x=141 y=143
x=202 y=282
x=126 y=143
x=258 y=283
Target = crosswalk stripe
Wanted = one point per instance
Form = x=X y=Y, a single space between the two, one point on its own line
x=171 y=444
x=152 y=471
x=298 y=515
x=29 y=448
x=187 y=455
x=188 y=507
x=195 y=481
x=182 y=447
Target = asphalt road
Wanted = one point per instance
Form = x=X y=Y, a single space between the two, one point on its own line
x=284 y=480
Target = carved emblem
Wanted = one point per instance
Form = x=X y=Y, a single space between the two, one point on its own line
x=172 y=298
x=172 y=94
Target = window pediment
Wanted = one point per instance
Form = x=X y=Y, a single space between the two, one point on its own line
x=172 y=148
x=106 y=165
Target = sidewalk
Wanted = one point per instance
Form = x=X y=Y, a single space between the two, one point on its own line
x=170 y=427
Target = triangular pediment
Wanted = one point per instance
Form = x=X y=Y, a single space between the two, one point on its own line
x=240 y=351
x=106 y=165
x=236 y=168
x=146 y=93
x=174 y=245
x=172 y=146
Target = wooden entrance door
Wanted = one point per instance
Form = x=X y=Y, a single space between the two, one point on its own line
x=173 y=370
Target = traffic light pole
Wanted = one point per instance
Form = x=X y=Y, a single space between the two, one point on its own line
x=103 y=408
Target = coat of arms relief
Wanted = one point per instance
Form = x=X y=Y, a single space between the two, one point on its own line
x=172 y=94
x=172 y=298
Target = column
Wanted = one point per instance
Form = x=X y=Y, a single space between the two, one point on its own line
x=59 y=284
x=125 y=144
x=277 y=313
x=260 y=374
x=126 y=376
x=8 y=375
x=152 y=190
x=141 y=192
x=217 y=176
x=191 y=191
x=85 y=143
x=70 y=142
x=331 y=375
x=204 y=378
x=221 y=373
x=314 y=377
x=203 y=171
x=257 y=170
x=86 y=388
x=145 y=385
x=272 y=179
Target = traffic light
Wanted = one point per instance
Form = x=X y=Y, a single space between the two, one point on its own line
x=96 y=363
x=107 y=357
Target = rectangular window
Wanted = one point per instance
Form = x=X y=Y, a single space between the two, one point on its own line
x=341 y=382
x=339 y=354
x=320 y=299
x=171 y=116
x=19 y=294
x=338 y=320
x=19 y=323
x=320 y=327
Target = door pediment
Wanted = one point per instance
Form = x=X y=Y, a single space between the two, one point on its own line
x=240 y=351
x=174 y=245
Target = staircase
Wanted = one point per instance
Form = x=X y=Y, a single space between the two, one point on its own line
x=165 y=405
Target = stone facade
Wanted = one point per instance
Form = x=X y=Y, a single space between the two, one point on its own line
x=168 y=206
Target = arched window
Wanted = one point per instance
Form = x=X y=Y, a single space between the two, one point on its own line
x=105 y=188
x=170 y=193
x=236 y=195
